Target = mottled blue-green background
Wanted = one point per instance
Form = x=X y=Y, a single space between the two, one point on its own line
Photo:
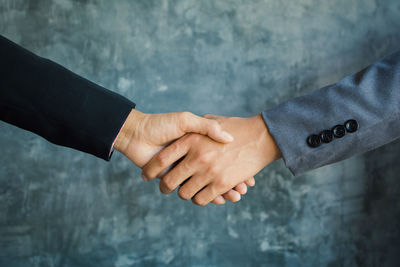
x=60 y=207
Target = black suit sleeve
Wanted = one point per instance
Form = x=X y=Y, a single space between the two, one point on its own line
x=41 y=96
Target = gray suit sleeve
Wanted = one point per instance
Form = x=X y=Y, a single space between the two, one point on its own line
x=371 y=97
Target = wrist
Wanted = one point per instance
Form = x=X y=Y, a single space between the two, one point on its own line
x=128 y=130
x=266 y=142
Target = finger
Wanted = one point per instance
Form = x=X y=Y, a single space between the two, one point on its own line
x=176 y=176
x=192 y=186
x=241 y=188
x=219 y=200
x=250 y=182
x=232 y=196
x=206 y=195
x=191 y=123
x=165 y=158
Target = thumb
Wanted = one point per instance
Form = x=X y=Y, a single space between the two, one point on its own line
x=209 y=127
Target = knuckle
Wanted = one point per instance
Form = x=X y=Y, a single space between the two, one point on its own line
x=213 y=171
x=184 y=119
x=162 y=159
x=206 y=157
x=186 y=166
x=215 y=125
x=222 y=184
x=175 y=147
x=186 y=115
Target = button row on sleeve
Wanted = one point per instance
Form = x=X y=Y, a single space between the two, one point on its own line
x=338 y=131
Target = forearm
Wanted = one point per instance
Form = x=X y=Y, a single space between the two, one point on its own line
x=371 y=97
x=43 y=97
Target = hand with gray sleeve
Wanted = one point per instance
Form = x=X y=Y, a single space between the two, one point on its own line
x=355 y=115
x=352 y=116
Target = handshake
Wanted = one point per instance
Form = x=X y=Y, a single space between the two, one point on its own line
x=210 y=158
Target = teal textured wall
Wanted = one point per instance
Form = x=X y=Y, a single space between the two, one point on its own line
x=60 y=207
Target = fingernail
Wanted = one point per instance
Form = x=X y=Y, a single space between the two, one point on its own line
x=227 y=136
x=145 y=178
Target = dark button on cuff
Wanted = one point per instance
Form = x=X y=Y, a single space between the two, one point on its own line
x=326 y=136
x=313 y=140
x=351 y=126
x=339 y=131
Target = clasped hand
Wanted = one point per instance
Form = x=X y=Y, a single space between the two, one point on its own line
x=214 y=158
